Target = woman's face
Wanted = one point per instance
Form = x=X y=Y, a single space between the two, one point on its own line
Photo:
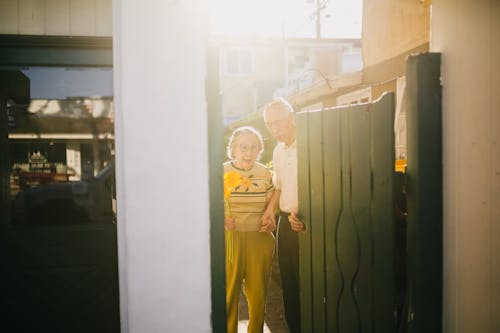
x=246 y=149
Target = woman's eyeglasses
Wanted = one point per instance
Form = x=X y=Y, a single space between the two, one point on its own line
x=251 y=148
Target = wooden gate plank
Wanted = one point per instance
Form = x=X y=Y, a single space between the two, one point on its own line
x=317 y=230
x=333 y=206
x=360 y=146
x=347 y=239
x=305 y=211
x=382 y=212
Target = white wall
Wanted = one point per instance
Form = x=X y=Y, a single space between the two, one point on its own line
x=467 y=33
x=162 y=165
x=392 y=27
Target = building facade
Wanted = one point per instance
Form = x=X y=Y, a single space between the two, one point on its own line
x=164 y=237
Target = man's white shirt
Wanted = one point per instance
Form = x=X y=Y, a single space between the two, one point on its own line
x=285 y=176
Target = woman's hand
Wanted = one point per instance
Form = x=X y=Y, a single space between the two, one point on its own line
x=268 y=221
x=295 y=223
x=268 y=224
x=229 y=223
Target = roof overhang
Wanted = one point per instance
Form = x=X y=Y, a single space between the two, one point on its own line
x=60 y=136
x=325 y=88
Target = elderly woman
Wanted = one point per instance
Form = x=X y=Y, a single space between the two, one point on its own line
x=249 y=242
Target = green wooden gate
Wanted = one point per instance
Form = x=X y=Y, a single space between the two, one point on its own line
x=346 y=176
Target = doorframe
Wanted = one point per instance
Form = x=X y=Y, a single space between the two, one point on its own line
x=32 y=50
x=216 y=156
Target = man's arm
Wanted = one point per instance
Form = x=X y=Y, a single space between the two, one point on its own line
x=272 y=205
x=268 y=217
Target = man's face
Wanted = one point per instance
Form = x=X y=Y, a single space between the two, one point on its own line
x=280 y=123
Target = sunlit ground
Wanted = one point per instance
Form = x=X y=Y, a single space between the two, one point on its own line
x=243 y=327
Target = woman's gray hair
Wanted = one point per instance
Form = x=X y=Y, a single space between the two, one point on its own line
x=239 y=132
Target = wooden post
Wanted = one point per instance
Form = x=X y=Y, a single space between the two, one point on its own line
x=425 y=192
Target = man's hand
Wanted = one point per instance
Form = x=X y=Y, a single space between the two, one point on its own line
x=295 y=223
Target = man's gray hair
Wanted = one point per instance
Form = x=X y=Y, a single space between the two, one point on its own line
x=279 y=101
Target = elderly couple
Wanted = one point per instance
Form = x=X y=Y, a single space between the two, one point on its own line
x=251 y=202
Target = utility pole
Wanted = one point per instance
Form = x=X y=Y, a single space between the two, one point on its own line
x=318 y=19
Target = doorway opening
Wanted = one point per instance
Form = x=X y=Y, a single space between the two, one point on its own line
x=58 y=230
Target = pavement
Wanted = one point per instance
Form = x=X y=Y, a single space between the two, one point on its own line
x=275 y=316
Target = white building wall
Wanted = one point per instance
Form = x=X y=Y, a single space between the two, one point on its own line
x=467 y=35
x=392 y=27
x=162 y=165
x=56 y=17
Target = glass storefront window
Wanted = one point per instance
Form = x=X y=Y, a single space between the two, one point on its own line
x=59 y=158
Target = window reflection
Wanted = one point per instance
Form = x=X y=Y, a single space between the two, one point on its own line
x=61 y=147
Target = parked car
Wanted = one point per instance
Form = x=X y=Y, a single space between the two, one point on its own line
x=67 y=203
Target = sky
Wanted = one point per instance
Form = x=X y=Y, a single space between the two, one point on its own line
x=60 y=83
x=286 y=18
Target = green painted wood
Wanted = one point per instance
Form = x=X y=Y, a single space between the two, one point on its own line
x=346 y=163
x=360 y=165
x=333 y=184
x=382 y=210
x=305 y=241
x=425 y=192
x=317 y=225
x=347 y=238
x=216 y=157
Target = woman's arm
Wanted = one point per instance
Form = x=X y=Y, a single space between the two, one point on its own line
x=269 y=217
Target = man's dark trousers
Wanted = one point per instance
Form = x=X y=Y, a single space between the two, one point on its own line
x=288 y=255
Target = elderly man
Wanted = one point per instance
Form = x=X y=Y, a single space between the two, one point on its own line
x=279 y=118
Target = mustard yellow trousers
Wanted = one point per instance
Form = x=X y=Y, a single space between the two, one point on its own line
x=250 y=265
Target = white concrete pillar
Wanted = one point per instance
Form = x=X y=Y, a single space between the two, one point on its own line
x=467 y=33
x=162 y=165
